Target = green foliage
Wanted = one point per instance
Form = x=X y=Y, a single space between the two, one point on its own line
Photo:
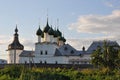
x=106 y=56
x=24 y=73
x=12 y=71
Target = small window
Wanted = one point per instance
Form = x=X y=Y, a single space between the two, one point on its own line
x=65 y=48
x=41 y=52
x=45 y=62
x=77 y=62
x=56 y=62
x=81 y=55
x=25 y=62
x=85 y=62
x=72 y=52
x=73 y=62
x=45 y=52
x=2 y=61
x=40 y=62
x=30 y=62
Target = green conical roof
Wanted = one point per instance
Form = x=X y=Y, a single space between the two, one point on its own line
x=47 y=27
x=51 y=31
x=56 y=34
x=62 y=39
x=59 y=33
x=16 y=44
x=39 y=32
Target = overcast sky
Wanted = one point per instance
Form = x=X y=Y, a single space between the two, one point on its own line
x=81 y=21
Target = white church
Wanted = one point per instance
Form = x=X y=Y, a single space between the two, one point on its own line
x=49 y=49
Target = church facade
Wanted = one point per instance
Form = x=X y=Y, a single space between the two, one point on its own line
x=50 y=48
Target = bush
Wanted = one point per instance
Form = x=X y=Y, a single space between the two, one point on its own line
x=23 y=73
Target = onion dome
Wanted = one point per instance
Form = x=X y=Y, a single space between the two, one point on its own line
x=51 y=31
x=15 y=44
x=39 y=32
x=59 y=33
x=62 y=39
x=47 y=27
x=55 y=33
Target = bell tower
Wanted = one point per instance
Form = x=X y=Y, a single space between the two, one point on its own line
x=14 y=49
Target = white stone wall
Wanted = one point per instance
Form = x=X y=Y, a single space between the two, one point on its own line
x=49 y=57
x=11 y=56
x=46 y=37
x=39 y=38
x=50 y=60
x=55 y=39
x=51 y=38
x=26 y=59
x=85 y=59
x=56 y=59
x=3 y=61
x=61 y=43
x=45 y=47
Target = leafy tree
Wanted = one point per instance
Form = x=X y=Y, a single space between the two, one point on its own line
x=106 y=56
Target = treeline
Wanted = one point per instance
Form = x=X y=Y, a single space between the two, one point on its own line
x=25 y=73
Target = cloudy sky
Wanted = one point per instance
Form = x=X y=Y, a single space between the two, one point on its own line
x=80 y=21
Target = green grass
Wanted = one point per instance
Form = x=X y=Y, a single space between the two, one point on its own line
x=24 y=73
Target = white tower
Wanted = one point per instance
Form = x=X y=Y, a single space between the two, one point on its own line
x=51 y=33
x=14 y=49
x=39 y=34
x=45 y=31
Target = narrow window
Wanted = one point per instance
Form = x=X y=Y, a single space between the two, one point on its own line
x=45 y=62
x=45 y=52
x=30 y=62
x=40 y=62
x=56 y=62
x=25 y=62
x=41 y=52
x=11 y=61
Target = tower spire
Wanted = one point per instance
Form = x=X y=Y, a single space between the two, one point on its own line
x=16 y=44
x=16 y=30
x=47 y=15
x=57 y=23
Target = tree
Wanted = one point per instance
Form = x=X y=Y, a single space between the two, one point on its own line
x=106 y=56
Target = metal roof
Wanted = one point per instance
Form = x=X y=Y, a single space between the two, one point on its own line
x=97 y=44
x=27 y=54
